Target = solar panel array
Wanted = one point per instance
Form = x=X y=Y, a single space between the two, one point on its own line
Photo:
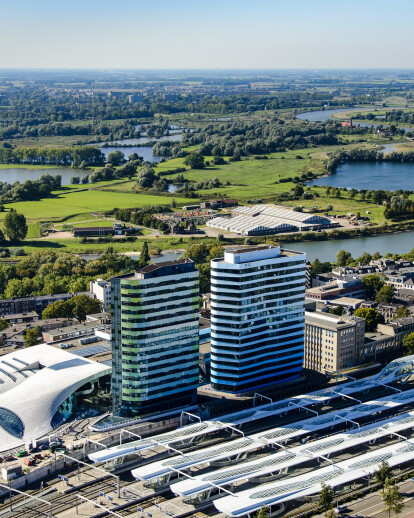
x=92 y=350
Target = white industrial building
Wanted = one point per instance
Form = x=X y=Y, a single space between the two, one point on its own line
x=269 y=219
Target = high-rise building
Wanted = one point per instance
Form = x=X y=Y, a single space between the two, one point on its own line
x=155 y=333
x=257 y=317
x=332 y=342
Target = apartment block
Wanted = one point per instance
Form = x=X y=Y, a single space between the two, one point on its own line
x=332 y=343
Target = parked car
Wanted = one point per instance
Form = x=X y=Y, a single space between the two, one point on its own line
x=22 y=453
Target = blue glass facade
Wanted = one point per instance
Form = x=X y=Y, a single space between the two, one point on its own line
x=257 y=318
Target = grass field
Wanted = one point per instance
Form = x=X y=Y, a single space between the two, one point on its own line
x=252 y=178
x=75 y=246
x=374 y=111
x=67 y=204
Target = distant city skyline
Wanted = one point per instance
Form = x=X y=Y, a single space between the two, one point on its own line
x=229 y=34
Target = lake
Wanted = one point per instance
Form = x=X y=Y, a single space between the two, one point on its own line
x=323 y=115
x=21 y=174
x=172 y=187
x=370 y=175
x=399 y=243
x=144 y=151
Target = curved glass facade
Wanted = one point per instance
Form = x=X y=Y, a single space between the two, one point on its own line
x=11 y=422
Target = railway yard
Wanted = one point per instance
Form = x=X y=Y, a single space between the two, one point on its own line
x=274 y=455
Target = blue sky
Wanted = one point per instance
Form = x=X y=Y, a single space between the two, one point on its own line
x=206 y=34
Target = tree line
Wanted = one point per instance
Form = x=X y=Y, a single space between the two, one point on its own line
x=86 y=156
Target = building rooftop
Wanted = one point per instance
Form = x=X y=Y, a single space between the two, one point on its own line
x=160 y=269
x=246 y=249
x=330 y=321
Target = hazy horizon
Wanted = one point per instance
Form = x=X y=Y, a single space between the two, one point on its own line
x=191 y=35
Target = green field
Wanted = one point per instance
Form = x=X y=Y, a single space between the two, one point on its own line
x=61 y=206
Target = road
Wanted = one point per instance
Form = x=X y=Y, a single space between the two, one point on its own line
x=372 y=505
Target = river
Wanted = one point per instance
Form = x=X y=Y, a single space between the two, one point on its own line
x=370 y=175
x=398 y=243
x=21 y=174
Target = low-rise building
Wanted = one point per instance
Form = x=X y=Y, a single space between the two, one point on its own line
x=102 y=291
x=18 y=318
x=387 y=310
x=336 y=289
x=332 y=343
x=398 y=329
x=116 y=230
x=61 y=334
x=376 y=343
x=33 y=304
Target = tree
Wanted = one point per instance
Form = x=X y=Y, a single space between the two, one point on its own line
x=331 y=513
x=343 y=257
x=365 y=258
x=146 y=176
x=329 y=208
x=326 y=497
x=372 y=317
x=194 y=160
x=85 y=305
x=15 y=226
x=115 y=158
x=298 y=190
x=337 y=310
x=173 y=203
x=32 y=335
x=373 y=283
x=408 y=342
x=78 y=306
x=144 y=257
x=385 y=294
x=392 y=498
x=402 y=312
x=261 y=513
x=318 y=267
x=383 y=473
x=204 y=276
x=197 y=253
x=3 y=324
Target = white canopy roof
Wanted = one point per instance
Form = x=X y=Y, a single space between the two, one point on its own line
x=390 y=373
x=293 y=488
x=275 y=435
x=29 y=405
x=290 y=457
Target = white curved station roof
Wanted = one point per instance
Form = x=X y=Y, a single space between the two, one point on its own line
x=44 y=378
x=276 y=435
x=293 y=488
x=275 y=211
x=276 y=462
x=189 y=432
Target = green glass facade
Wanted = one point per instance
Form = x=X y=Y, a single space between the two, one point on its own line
x=155 y=333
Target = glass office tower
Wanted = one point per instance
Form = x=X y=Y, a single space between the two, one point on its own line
x=257 y=318
x=155 y=324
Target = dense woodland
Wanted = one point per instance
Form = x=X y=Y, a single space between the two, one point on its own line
x=241 y=138
x=86 y=156
x=46 y=273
